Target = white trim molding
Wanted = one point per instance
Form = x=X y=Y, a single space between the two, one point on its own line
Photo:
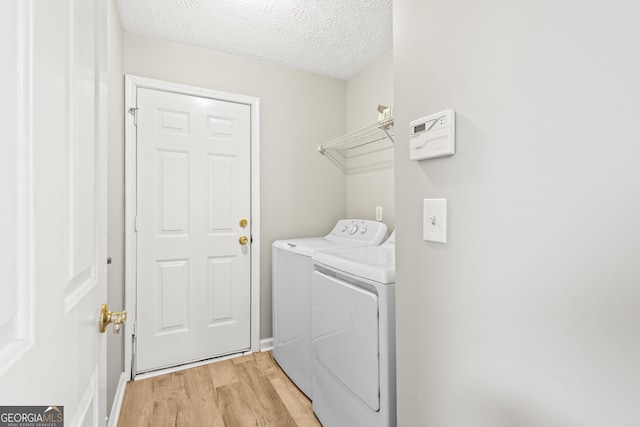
x=114 y=416
x=266 y=344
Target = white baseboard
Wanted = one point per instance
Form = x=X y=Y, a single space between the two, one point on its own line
x=117 y=401
x=266 y=344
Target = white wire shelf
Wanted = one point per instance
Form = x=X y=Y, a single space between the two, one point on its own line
x=361 y=142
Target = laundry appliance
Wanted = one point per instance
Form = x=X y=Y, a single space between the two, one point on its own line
x=291 y=291
x=353 y=336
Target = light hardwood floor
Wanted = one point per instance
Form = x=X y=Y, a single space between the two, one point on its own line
x=250 y=390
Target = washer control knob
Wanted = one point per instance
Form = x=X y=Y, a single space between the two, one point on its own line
x=364 y=230
x=353 y=229
x=344 y=228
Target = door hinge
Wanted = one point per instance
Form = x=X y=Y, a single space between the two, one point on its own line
x=135 y=224
x=134 y=112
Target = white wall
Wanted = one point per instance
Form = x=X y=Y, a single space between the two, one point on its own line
x=370 y=87
x=115 y=195
x=530 y=314
x=303 y=194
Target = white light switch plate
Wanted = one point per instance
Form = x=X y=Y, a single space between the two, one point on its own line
x=434 y=223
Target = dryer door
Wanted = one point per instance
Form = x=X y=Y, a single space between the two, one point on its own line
x=345 y=339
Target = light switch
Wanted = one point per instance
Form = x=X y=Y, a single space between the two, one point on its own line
x=434 y=226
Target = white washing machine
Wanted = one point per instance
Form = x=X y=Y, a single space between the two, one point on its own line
x=291 y=291
x=353 y=336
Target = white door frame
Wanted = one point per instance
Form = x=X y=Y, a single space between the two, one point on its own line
x=132 y=83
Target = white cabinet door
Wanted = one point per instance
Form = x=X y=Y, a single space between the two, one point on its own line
x=193 y=189
x=52 y=219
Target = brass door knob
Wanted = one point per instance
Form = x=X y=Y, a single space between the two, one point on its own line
x=115 y=317
x=243 y=240
x=244 y=223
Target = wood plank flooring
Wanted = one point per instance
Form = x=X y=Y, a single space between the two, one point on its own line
x=249 y=390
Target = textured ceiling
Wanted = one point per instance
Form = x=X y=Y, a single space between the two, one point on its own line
x=335 y=38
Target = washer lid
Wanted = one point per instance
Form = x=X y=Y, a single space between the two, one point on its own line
x=310 y=245
x=346 y=233
x=376 y=263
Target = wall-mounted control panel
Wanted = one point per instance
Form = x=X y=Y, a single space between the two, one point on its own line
x=433 y=136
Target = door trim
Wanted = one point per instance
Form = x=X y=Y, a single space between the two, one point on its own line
x=132 y=83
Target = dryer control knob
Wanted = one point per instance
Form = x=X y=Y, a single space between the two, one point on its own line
x=353 y=229
x=364 y=230
x=344 y=228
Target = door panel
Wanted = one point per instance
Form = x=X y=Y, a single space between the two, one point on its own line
x=220 y=197
x=193 y=187
x=173 y=192
x=173 y=298
x=220 y=289
x=53 y=221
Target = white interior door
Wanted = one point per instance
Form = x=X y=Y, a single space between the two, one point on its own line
x=193 y=190
x=52 y=219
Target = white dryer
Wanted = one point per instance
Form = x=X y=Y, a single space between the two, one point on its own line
x=353 y=336
x=291 y=292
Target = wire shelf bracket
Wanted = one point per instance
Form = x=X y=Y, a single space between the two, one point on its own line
x=366 y=140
